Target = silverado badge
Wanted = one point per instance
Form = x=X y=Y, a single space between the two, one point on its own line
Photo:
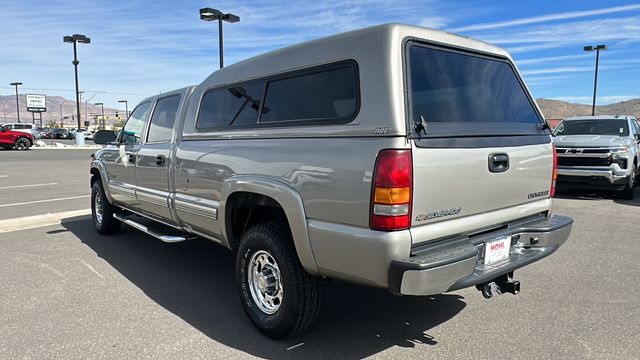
x=437 y=214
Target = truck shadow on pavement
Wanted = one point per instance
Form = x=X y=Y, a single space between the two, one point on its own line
x=580 y=194
x=195 y=281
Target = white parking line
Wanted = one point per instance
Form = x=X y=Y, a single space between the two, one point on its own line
x=36 y=221
x=3 y=176
x=91 y=268
x=24 y=186
x=43 y=201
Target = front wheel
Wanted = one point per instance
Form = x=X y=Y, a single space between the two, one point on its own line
x=22 y=144
x=102 y=211
x=627 y=192
x=278 y=295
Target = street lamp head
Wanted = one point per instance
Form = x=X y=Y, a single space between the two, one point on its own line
x=209 y=14
x=98 y=104
x=15 y=83
x=594 y=48
x=122 y=101
x=76 y=38
x=230 y=18
x=82 y=39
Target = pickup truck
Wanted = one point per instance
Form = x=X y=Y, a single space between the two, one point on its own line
x=600 y=152
x=393 y=156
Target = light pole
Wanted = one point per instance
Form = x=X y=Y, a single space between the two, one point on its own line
x=126 y=109
x=597 y=49
x=86 y=104
x=76 y=38
x=16 y=84
x=209 y=14
x=101 y=106
x=81 y=92
x=62 y=103
x=4 y=110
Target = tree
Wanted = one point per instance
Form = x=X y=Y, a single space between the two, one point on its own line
x=118 y=124
x=52 y=124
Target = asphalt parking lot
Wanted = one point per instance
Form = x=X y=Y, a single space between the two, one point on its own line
x=43 y=181
x=67 y=292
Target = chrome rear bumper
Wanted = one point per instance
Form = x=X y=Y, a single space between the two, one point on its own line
x=457 y=263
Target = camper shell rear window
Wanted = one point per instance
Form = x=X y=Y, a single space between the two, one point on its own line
x=458 y=92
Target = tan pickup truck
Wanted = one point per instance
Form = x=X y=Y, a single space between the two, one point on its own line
x=393 y=156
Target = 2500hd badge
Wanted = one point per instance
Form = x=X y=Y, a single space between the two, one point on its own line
x=438 y=214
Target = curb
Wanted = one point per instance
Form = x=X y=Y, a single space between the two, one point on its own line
x=37 y=221
x=66 y=148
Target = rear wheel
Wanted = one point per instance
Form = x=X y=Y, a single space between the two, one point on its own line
x=102 y=211
x=278 y=295
x=22 y=144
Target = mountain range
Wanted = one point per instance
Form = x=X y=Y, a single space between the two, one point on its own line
x=556 y=109
x=58 y=107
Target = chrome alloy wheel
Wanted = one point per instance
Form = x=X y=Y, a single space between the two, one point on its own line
x=99 y=210
x=265 y=282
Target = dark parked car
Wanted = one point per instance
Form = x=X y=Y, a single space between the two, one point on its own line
x=58 y=133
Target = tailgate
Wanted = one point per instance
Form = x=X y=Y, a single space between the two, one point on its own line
x=482 y=155
x=451 y=183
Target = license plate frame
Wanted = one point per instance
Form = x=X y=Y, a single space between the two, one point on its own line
x=496 y=250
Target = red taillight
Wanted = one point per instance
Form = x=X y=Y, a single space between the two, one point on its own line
x=391 y=191
x=554 y=174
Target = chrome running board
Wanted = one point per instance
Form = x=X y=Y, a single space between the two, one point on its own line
x=152 y=232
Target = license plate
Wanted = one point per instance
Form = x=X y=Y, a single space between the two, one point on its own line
x=497 y=250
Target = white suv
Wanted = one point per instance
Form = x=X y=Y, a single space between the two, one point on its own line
x=25 y=128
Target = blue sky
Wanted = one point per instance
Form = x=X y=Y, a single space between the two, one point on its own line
x=142 y=47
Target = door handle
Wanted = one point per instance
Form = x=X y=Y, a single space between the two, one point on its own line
x=498 y=163
x=160 y=160
x=132 y=158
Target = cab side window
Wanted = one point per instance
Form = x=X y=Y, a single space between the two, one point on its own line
x=132 y=131
x=163 y=118
x=231 y=107
x=634 y=128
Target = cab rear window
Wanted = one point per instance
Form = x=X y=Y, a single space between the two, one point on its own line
x=455 y=87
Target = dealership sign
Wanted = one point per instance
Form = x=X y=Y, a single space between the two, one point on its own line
x=36 y=103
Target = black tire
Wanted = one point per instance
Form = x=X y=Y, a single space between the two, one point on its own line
x=103 y=221
x=300 y=296
x=627 y=192
x=22 y=144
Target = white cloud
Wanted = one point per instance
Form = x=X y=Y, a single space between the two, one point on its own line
x=559 y=70
x=588 y=32
x=535 y=47
x=549 y=17
x=434 y=22
x=552 y=59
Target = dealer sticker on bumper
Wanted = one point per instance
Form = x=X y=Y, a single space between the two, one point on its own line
x=497 y=250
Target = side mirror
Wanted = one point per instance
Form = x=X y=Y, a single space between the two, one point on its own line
x=104 y=137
